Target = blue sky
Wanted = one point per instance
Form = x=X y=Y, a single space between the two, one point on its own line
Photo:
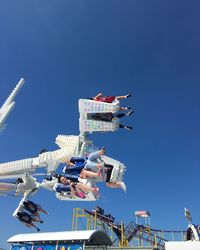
x=68 y=50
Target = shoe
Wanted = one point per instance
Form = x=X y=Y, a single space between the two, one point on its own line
x=129 y=107
x=80 y=195
x=96 y=189
x=128 y=127
x=123 y=186
x=41 y=221
x=130 y=113
x=127 y=96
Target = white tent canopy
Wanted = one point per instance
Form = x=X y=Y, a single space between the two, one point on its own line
x=90 y=237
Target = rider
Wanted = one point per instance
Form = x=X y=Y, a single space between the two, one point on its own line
x=109 y=99
x=110 y=117
x=94 y=164
x=27 y=219
x=33 y=208
x=91 y=164
x=71 y=184
x=75 y=166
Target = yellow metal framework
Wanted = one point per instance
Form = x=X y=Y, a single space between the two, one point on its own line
x=84 y=221
x=145 y=236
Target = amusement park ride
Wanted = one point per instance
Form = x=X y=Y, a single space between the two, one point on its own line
x=137 y=233
x=9 y=104
x=20 y=175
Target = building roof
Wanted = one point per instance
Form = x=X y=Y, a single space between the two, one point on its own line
x=90 y=237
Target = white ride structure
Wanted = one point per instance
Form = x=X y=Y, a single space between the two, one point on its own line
x=71 y=146
x=9 y=104
x=23 y=170
x=88 y=124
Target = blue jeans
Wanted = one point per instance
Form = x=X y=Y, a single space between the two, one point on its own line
x=92 y=162
x=73 y=170
x=77 y=168
x=62 y=188
x=71 y=177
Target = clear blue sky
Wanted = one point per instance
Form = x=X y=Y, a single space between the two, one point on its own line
x=68 y=50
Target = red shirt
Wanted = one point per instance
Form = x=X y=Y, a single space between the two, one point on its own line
x=108 y=99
